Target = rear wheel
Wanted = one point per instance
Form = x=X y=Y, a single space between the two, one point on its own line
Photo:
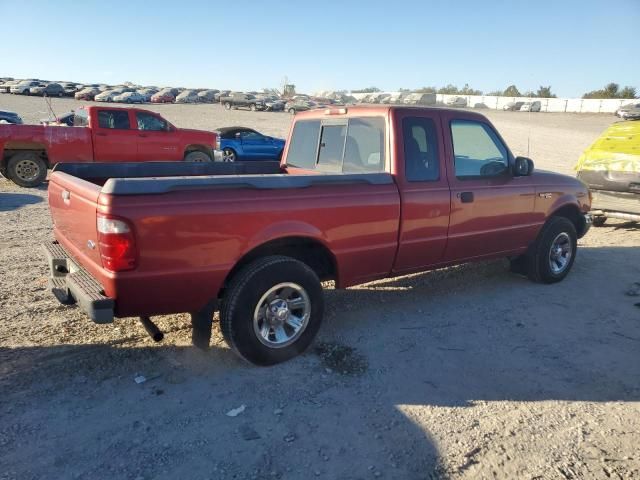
x=197 y=156
x=253 y=107
x=599 y=221
x=227 y=105
x=27 y=169
x=292 y=111
x=272 y=310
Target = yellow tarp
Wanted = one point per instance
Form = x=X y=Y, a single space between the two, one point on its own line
x=617 y=149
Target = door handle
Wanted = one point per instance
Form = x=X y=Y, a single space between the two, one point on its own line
x=465 y=197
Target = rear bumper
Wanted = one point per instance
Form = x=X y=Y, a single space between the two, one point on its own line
x=71 y=284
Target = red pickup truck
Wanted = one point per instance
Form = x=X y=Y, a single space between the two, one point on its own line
x=362 y=193
x=99 y=134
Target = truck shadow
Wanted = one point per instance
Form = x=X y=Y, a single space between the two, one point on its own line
x=15 y=201
x=405 y=347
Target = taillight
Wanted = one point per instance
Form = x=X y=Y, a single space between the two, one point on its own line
x=117 y=244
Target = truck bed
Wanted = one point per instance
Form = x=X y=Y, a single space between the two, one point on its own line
x=194 y=222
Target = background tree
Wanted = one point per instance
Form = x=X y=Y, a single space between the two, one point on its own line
x=467 y=90
x=511 y=91
x=612 y=90
x=366 y=90
x=449 y=89
x=495 y=93
x=426 y=90
x=545 y=92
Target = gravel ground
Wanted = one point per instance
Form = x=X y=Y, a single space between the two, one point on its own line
x=467 y=372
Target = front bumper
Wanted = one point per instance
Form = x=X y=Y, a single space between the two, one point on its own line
x=71 y=284
x=622 y=205
x=585 y=224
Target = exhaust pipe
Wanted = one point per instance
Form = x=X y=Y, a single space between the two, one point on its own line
x=152 y=329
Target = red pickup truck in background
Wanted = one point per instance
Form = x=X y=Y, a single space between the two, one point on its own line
x=362 y=193
x=99 y=134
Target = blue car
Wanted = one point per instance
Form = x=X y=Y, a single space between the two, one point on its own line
x=241 y=143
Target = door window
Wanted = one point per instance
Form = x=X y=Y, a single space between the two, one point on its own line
x=478 y=152
x=150 y=122
x=421 y=160
x=114 y=119
x=251 y=136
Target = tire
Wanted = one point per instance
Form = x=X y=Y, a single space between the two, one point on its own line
x=558 y=232
x=197 y=156
x=227 y=106
x=252 y=107
x=292 y=111
x=229 y=155
x=242 y=324
x=599 y=221
x=27 y=169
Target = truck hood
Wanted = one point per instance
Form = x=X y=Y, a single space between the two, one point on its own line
x=203 y=135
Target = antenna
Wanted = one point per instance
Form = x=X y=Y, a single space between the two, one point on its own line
x=47 y=100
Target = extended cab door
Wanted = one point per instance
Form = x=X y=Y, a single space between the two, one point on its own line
x=491 y=210
x=114 y=139
x=420 y=171
x=157 y=140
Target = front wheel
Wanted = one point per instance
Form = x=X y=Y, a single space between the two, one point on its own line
x=27 y=169
x=552 y=255
x=228 y=155
x=272 y=310
x=253 y=107
x=227 y=106
x=599 y=221
x=292 y=111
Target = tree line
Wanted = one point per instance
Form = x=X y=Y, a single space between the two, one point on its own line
x=611 y=90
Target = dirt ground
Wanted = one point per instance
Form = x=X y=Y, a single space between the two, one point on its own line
x=462 y=373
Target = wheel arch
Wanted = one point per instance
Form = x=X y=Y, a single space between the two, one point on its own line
x=309 y=250
x=10 y=148
x=572 y=212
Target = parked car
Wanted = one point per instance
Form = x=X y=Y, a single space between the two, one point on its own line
x=129 y=97
x=361 y=194
x=24 y=86
x=241 y=143
x=187 y=96
x=273 y=104
x=394 y=99
x=535 y=106
x=456 y=102
x=99 y=134
x=513 y=106
x=631 y=111
x=222 y=93
x=107 y=95
x=611 y=169
x=49 y=90
x=69 y=88
x=420 y=99
x=10 y=117
x=207 y=96
x=6 y=86
x=88 y=93
x=243 y=100
x=297 y=106
x=65 y=119
x=163 y=96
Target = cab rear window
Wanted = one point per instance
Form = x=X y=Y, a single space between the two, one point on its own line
x=354 y=145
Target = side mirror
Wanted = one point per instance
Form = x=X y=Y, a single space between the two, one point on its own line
x=522 y=167
x=238 y=136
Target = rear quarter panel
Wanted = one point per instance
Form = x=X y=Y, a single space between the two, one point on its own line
x=62 y=144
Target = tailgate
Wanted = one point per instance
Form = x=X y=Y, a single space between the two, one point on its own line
x=73 y=202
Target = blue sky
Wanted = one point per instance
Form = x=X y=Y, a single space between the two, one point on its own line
x=574 y=46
